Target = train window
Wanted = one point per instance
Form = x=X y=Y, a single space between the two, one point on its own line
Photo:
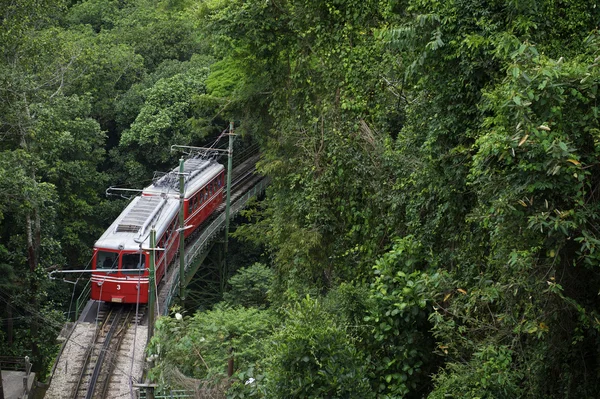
x=172 y=227
x=133 y=263
x=107 y=260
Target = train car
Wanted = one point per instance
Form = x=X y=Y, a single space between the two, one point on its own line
x=204 y=188
x=121 y=255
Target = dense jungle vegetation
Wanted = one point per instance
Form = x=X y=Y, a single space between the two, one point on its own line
x=432 y=224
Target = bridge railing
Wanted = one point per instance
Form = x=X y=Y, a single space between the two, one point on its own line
x=173 y=394
x=83 y=299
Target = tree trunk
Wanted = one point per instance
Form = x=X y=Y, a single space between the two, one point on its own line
x=33 y=235
x=33 y=232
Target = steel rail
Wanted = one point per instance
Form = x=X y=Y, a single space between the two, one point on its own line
x=100 y=361
x=114 y=353
x=87 y=357
x=86 y=360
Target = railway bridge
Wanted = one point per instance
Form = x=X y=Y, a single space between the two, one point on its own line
x=102 y=353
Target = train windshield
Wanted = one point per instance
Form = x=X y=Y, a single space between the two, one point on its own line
x=133 y=263
x=108 y=261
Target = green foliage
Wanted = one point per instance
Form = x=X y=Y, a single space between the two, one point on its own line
x=18 y=19
x=350 y=303
x=531 y=179
x=166 y=113
x=491 y=174
x=48 y=158
x=467 y=128
x=498 y=132
x=326 y=158
x=99 y=14
x=537 y=162
x=250 y=286
x=313 y=356
x=72 y=144
x=225 y=79
x=401 y=345
x=200 y=346
x=154 y=32
x=488 y=375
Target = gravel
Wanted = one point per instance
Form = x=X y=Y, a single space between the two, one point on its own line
x=68 y=366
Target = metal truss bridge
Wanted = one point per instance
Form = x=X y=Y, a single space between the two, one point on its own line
x=78 y=352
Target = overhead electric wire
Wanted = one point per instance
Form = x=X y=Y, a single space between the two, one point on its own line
x=32 y=311
x=206 y=153
x=77 y=281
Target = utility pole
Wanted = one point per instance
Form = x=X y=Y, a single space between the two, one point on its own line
x=151 y=300
x=151 y=284
x=228 y=200
x=223 y=259
x=181 y=231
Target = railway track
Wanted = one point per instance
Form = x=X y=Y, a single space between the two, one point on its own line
x=99 y=362
x=100 y=357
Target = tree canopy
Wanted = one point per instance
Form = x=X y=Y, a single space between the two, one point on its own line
x=431 y=225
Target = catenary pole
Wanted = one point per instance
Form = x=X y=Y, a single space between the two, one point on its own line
x=181 y=231
x=151 y=298
x=229 y=168
x=151 y=284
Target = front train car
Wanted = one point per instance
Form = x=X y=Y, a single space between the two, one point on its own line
x=121 y=256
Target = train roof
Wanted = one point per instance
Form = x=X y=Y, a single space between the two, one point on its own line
x=157 y=206
x=198 y=172
x=132 y=228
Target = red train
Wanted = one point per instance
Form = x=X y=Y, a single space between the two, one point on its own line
x=121 y=256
